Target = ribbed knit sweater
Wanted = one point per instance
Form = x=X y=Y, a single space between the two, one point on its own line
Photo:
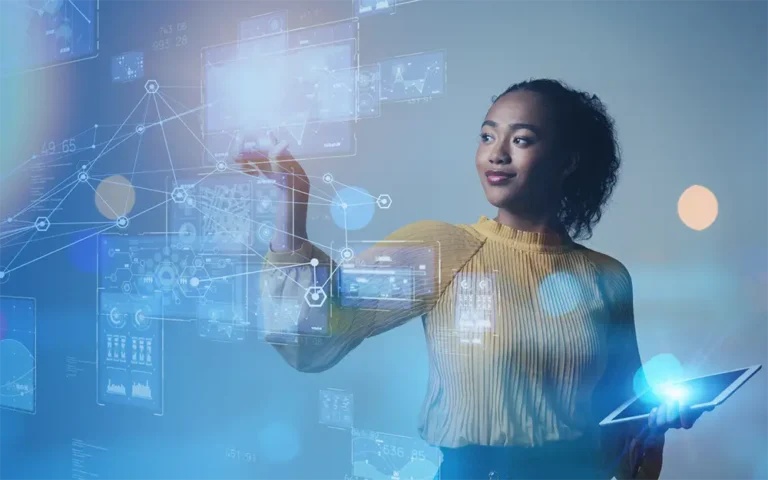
x=531 y=336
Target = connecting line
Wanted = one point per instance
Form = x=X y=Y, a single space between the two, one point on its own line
x=13 y=233
x=62 y=234
x=344 y=211
x=309 y=195
x=93 y=162
x=166 y=319
x=185 y=124
x=154 y=190
x=252 y=272
x=105 y=175
x=103 y=200
x=136 y=158
x=48 y=195
x=35 y=232
x=167 y=148
x=112 y=225
x=250 y=248
x=203 y=178
x=81 y=13
x=10 y=233
x=355 y=189
x=35 y=157
x=188 y=112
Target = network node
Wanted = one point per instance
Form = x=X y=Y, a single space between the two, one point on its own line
x=151 y=86
x=82 y=176
x=4 y=275
x=221 y=165
x=140 y=129
x=42 y=224
x=122 y=222
x=384 y=201
x=179 y=195
x=328 y=178
x=314 y=262
x=315 y=297
x=93 y=146
x=10 y=219
x=347 y=253
x=344 y=205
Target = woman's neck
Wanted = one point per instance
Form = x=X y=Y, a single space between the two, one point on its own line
x=544 y=222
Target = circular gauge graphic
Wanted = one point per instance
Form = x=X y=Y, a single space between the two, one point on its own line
x=266 y=230
x=365 y=80
x=117 y=318
x=166 y=276
x=17 y=377
x=142 y=319
x=275 y=25
x=366 y=102
x=187 y=233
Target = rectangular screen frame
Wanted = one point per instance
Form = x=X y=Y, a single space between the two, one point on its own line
x=748 y=372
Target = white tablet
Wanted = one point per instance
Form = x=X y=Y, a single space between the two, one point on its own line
x=699 y=392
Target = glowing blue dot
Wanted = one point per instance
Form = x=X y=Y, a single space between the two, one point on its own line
x=659 y=370
x=360 y=207
x=279 y=442
x=560 y=293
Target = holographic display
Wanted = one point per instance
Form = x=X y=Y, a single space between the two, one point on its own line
x=396 y=278
x=18 y=354
x=40 y=33
x=383 y=456
x=299 y=84
x=412 y=77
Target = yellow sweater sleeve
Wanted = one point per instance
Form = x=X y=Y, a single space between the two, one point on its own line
x=623 y=370
x=288 y=275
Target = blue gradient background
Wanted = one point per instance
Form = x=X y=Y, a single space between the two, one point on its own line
x=687 y=85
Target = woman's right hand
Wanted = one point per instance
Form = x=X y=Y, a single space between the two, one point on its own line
x=278 y=165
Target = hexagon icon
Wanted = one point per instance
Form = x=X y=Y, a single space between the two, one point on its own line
x=151 y=86
x=42 y=224
x=315 y=297
x=194 y=282
x=384 y=201
x=179 y=195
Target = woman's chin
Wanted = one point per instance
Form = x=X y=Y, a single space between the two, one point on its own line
x=499 y=200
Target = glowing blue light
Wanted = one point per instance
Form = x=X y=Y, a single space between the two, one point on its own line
x=356 y=204
x=671 y=392
x=659 y=370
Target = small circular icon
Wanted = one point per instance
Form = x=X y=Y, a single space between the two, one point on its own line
x=221 y=165
x=347 y=253
x=122 y=222
x=328 y=178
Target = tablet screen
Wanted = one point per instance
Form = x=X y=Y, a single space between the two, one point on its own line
x=690 y=392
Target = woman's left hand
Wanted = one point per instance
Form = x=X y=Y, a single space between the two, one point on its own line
x=651 y=438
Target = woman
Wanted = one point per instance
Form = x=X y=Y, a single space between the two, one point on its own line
x=524 y=397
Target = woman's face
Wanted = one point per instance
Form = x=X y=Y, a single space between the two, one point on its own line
x=517 y=156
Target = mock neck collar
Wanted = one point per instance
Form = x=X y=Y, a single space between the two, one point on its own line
x=534 y=241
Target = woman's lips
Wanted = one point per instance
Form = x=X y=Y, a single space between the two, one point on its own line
x=498 y=178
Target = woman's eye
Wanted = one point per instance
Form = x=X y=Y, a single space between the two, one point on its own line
x=521 y=139
x=484 y=137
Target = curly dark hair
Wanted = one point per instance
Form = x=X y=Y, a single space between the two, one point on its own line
x=585 y=129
